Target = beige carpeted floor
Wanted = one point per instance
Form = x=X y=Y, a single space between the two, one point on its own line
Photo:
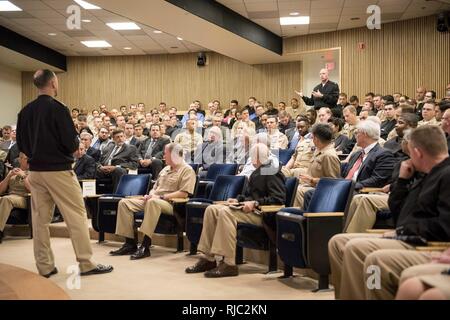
x=161 y=276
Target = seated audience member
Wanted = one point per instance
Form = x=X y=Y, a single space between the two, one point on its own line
x=430 y=281
x=84 y=165
x=6 y=139
x=369 y=96
x=82 y=125
x=354 y=101
x=13 y=190
x=341 y=104
x=324 y=162
x=189 y=139
x=246 y=120
x=162 y=128
x=116 y=158
x=419 y=207
x=404 y=122
x=351 y=120
x=173 y=112
x=446 y=126
x=369 y=107
x=86 y=139
x=301 y=159
x=212 y=108
x=75 y=113
x=311 y=114
x=263 y=123
x=257 y=120
x=193 y=107
x=277 y=139
x=428 y=115
x=323 y=114
x=250 y=107
x=285 y=122
x=298 y=133
x=12 y=153
x=248 y=167
x=212 y=150
x=294 y=110
x=176 y=180
x=430 y=96
x=102 y=139
x=240 y=146
x=129 y=135
x=363 y=115
x=151 y=151
x=389 y=121
x=120 y=122
x=266 y=187
x=340 y=140
x=172 y=128
x=364 y=207
x=139 y=133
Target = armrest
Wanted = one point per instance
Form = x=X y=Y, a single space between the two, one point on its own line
x=87 y=180
x=322 y=214
x=94 y=196
x=220 y=202
x=369 y=190
x=134 y=197
x=378 y=231
x=179 y=200
x=438 y=244
x=271 y=208
x=431 y=248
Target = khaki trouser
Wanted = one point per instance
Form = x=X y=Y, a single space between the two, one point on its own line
x=152 y=210
x=362 y=213
x=219 y=231
x=293 y=172
x=63 y=189
x=7 y=203
x=392 y=262
x=300 y=195
x=430 y=275
x=348 y=253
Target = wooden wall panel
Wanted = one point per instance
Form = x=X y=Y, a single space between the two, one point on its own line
x=399 y=57
x=175 y=79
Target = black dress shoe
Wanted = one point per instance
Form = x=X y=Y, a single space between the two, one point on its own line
x=222 y=270
x=1 y=236
x=140 y=253
x=99 y=269
x=51 y=273
x=124 y=250
x=202 y=265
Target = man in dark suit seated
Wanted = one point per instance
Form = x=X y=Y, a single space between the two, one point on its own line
x=266 y=187
x=116 y=158
x=13 y=156
x=129 y=136
x=212 y=150
x=84 y=165
x=151 y=151
x=325 y=94
x=86 y=139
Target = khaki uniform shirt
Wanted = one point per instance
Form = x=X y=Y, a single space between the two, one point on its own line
x=16 y=185
x=188 y=141
x=170 y=180
x=432 y=122
x=250 y=125
x=303 y=154
x=349 y=130
x=381 y=115
x=325 y=163
x=278 y=140
x=301 y=110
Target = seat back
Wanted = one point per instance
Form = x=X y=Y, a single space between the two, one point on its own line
x=331 y=195
x=195 y=167
x=291 y=189
x=226 y=187
x=132 y=185
x=221 y=169
x=284 y=155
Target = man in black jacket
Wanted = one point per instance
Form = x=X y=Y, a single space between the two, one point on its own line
x=325 y=94
x=84 y=164
x=86 y=139
x=266 y=187
x=47 y=136
x=150 y=152
x=421 y=208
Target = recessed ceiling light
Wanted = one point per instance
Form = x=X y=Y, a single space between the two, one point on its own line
x=86 y=20
x=86 y=5
x=96 y=44
x=8 y=6
x=52 y=34
x=123 y=26
x=157 y=31
x=289 y=21
x=179 y=38
x=127 y=48
x=294 y=14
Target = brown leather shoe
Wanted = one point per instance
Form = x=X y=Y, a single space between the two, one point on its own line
x=202 y=265
x=222 y=270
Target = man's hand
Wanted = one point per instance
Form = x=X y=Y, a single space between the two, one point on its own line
x=386 y=188
x=306 y=178
x=407 y=169
x=317 y=94
x=145 y=162
x=232 y=200
x=19 y=172
x=300 y=93
x=107 y=169
x=249 y=206
x=389 y=234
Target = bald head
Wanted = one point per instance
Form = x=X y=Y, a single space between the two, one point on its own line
x=324 y=74
x=46 y=81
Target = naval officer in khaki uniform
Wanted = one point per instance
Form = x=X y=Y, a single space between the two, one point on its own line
x=324 y=163
x=15 y=187
x=301 y=159
x=176 y=180
x=46 y=134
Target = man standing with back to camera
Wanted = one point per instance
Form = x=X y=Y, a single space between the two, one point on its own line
x=46 y=134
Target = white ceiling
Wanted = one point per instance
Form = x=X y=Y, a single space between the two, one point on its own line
x=41 y=17
x=330 y=15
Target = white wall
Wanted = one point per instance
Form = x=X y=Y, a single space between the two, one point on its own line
x=10 y=94
x=311 y=65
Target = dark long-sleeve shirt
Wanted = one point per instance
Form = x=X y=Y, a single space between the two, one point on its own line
x=47 y=135
x=330 y=97
x=422 y=207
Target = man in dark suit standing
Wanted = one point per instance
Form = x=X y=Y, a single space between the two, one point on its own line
x=84 y=166
x=325 y=94
x=151 y=151
x=86 y=139
x=116 y=158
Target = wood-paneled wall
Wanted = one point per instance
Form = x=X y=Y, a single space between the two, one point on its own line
x=175 y=79
x=399 y=57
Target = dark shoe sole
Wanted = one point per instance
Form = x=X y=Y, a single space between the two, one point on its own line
x=195 y=269
x=48 y=275
x=220 y=274
x=123 y=253
x=96 y=271
x=145 y=255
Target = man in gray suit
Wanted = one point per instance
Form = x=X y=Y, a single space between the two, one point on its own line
x=116 y=158
x=151 y=151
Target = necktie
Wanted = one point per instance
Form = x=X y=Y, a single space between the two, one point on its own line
x=96 y=144
x=113 y=153
x=356 y=166
x=148 y=153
